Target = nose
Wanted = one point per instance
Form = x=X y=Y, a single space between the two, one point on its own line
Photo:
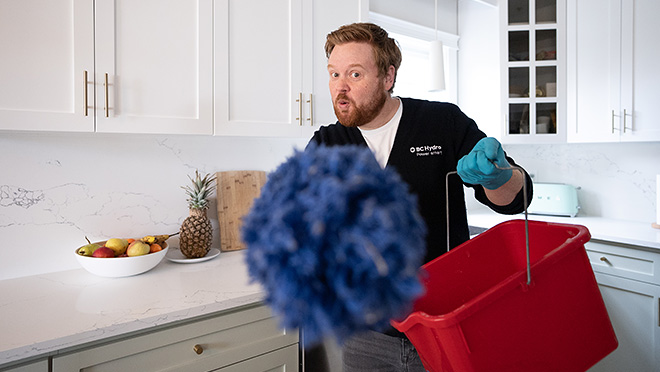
x=339 y=85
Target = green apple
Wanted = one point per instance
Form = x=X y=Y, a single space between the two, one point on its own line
x=137 y=248
x=117 y=245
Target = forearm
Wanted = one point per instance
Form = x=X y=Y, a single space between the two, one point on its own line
x=505 y=194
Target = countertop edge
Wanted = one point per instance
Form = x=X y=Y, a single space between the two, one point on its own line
x=34 y=352
x=603 y=229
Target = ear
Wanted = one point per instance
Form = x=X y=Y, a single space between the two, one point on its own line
x=389 y=78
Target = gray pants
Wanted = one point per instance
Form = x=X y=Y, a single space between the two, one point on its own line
x=377 y=352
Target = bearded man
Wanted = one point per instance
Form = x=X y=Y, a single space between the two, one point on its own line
x=422 y=141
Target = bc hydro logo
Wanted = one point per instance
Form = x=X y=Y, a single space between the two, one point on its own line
x=426 y=150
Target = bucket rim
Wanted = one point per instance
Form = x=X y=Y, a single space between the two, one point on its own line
x=515 y=280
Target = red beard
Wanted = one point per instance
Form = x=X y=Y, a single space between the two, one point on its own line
x=356 y=115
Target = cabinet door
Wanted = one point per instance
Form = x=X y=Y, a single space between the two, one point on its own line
x=156 y=57
x=640 y=74
x=47 y=50
x=322 y=17
x=633 y=310
x=594 y=47
x=534 y=71
x=258 y=67
x=282 y=360
x=613 y=76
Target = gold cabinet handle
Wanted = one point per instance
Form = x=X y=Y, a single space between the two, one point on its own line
x=624 y=121
x=198 y=349
x=85 y=106
x=613 y=116
x=300 y=109
x=106 y=108
x=311 y=110
x=604 y=259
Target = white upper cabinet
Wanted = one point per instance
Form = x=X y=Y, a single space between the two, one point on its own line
x=533 y=71
x=157 y=58
x=613 y=75
x=258 y=67
x=47 y=53
x=124 y=66
x=270 y=68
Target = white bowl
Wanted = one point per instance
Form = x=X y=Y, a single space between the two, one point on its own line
x=116 y=267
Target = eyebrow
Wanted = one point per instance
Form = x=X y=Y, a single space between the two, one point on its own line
x=349 y=66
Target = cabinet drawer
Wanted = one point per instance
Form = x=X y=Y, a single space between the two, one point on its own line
x=220 y=341
x=625 y=261
x=40 y=366
x=278 y=361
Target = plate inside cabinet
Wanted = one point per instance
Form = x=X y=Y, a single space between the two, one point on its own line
x=175 y=255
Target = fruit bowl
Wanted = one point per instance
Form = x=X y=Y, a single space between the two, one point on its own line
x=117 y=267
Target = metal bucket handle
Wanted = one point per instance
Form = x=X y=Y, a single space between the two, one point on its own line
x=529 y=275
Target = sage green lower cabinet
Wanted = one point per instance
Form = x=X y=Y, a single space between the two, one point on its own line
x=39 y=366
x=629 y=280
x=282 y=360
x=247 y=339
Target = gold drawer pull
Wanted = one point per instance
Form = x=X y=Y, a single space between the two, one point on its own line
x=300 y=109
x=604 y=259
x=198 y=349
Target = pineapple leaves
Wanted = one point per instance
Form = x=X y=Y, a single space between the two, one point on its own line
x=200 y=190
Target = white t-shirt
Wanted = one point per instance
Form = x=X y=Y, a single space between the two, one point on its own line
x=381 y=140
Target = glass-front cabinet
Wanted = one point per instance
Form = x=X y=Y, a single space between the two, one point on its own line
x=533 y=76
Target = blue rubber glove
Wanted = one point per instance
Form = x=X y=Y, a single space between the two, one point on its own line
x=477 y=167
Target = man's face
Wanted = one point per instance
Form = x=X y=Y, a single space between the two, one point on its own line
x=358 y=92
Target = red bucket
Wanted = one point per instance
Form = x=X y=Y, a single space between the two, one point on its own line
x=480 y=314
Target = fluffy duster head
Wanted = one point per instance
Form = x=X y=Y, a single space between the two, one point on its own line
x=336 y=241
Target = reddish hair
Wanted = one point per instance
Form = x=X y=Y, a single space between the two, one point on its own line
x=386 y=50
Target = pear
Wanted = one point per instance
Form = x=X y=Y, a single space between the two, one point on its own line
x=138 y=248
x=117 y=245
x=88 y=249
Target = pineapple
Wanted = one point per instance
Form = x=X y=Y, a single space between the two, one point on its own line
x=196 y=231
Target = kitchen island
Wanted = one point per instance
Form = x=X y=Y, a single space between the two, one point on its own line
x=58 y=314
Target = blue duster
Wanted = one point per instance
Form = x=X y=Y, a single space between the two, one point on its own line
x=336 y=241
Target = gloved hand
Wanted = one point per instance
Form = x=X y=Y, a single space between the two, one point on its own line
x=477 y=167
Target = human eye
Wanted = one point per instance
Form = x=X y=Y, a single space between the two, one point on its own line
x=355 y=74
x=333 y=74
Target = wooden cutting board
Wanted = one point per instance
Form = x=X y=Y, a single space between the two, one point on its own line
x=236 y=193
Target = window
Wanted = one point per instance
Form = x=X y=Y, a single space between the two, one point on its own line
x=413 y=75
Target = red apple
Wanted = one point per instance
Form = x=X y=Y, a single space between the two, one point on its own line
x=104 y=252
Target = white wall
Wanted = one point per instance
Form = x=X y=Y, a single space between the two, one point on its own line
x=419 y=12
x=479 y=64
x=55 y=189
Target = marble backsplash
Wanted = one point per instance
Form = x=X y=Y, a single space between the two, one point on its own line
x=57 y=188
x=614 y=180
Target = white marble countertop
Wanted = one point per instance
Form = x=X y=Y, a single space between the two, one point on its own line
x=42 y=315
x=605 y=229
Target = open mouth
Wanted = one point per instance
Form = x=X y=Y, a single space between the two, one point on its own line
x=342 y=102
